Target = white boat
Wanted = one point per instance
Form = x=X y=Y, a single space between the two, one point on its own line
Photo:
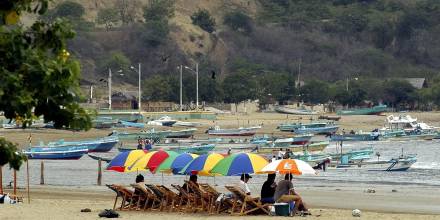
x=407 y=123
x=401 y=163
x=163 y=121
x=187 y=124
x=286 y=110
x=233 y=132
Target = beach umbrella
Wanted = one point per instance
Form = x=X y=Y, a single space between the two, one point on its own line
x=286 y=166
x=122 y=161
x=202 y=164
x=237 y=164
x=152 y=160
x=173 y=164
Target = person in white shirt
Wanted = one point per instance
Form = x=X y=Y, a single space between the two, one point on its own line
x=243 y=183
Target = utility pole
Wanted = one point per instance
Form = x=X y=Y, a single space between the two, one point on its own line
x=197 y=86
x=181 y=73
x=109 y=89
x=140 y=97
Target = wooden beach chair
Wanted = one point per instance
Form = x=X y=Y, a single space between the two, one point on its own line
x=224 y=205
x=149 y=199
x=172 y=197
x=159 y=194
x=248 y=203
x=203 y=197
x=188 y=201
x=124 y=193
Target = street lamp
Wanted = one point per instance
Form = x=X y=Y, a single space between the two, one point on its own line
x=139 y=85
x=346 y=82
x=197 y=83
x=110 y=87
x=181 y=70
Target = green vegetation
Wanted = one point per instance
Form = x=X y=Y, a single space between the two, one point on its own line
x=204 y=20
x=238 y=21
x=107 y=17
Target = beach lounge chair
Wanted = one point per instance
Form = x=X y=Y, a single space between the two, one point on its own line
x=203 y=197
x=172 y=197
x=188 y=201
x=146 y=197
x=224 y=205
x=124 y=193
x=159 y=195
x=248 y=203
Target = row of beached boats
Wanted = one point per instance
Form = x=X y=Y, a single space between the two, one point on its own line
x=374 y=110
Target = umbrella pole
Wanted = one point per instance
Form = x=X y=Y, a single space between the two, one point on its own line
x=162 y=178
x=27 y=181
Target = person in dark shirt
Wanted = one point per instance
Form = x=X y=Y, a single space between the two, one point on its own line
x=140 y=182
x=268 y=189
x=192 y=178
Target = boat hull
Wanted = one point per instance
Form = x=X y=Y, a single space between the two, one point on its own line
x=285 y=110
x=56 y=153
x=320 y=130
x=181 y=134
x=376 y=110
x=392 y=165
x=233 y=132
x=203 y=149
x=355 y=137
x=319 y=146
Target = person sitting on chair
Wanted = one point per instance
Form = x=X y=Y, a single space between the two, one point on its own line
x=285 y=193
x=193 y=179
x=268 y=189
x=244 y=179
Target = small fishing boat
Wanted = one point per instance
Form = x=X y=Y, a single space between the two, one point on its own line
x=370 y=136
x=186 y=133
x=287 y=110
x=401 y=163
x=313 y=146
x=233 y=132
x=163 y=121
x=375 y=110
x=151 y=134
x=330 y=117
x=132 y=124
x=186 y=124
x=56 y=153
x=104 y=144
x=301 y=139
x=195 y=149
x=96 y=157
x=293 y=126
x=104 y=122
x=328 y=129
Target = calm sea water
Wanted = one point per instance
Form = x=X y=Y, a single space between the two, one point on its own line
x=426 y=172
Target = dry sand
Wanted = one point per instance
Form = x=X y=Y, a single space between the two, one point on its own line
x=65 y=203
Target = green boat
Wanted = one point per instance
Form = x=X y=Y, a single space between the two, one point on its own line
x=197 y=149
x=156 y=136
x=312 y=125
x=375 y=110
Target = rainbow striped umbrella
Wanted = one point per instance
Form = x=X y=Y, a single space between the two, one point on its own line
x=202 y=164
x=122 y=161
x=175 y=163
x=292 y=166
x=237 y=164
x=152 y=160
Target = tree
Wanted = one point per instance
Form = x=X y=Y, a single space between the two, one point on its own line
x=38 y=77
x=115 y=61
x=159 y=10
x=107 y=17
x=239 y=87
x=398 y=92
x=69 y=9
x=161 y=88
x=238 y=21
x=127 y=10
x=204 y=20
x=315 y=91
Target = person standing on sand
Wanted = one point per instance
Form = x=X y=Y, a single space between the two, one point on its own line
x=139 y=146
x=244 y=179
x=284 y=192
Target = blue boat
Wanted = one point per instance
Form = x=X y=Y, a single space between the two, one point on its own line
x=56 y=153
x=328 y=129
x=104 y=144
x=372 y=136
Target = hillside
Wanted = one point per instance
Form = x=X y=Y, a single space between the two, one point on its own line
x=325 y=40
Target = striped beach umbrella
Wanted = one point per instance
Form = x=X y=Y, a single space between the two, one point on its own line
x=152 y=160
x=241 y=163
x=122 y=161
x=286 y=166
x=202 y=164
x=173 y=164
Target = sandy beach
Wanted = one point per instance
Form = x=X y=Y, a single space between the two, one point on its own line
x=50 y=202
x=327 y=202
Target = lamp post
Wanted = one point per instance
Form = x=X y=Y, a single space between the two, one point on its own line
x=197 y=83
x=139 y=86
x=109 y=89
x=181 y=73
x=346 y=82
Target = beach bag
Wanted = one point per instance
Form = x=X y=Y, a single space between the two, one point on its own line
x=5 y=199
x=109 y=213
